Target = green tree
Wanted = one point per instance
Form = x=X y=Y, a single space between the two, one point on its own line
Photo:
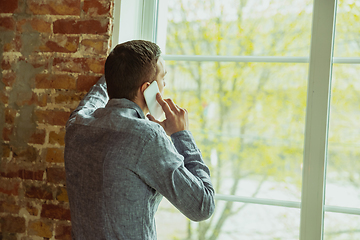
x=247 y=118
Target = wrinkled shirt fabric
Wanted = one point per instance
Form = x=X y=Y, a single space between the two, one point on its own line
x=119 y=165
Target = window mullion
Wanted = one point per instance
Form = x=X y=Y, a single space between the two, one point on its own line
x=115 y=37
x=127 y=20
x=162 y=24
x=134 y=19
x=262 y=59
x=149 y=20
x=314 y=166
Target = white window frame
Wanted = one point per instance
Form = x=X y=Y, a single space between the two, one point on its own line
x=134 y=19
x=317 y=120
x=139 y=19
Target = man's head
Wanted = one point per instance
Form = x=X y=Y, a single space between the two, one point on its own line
x=129 y=66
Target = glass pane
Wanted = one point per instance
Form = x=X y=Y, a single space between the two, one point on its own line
x=339 y=226
x=239 y=27
x=343 y=172
x=347 y=42
x=231 y=221
x=248 y=120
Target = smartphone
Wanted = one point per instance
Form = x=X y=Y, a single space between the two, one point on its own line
x=150 y=98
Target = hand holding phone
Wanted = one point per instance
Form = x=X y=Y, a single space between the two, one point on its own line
x=176 y=117
x=150 y=98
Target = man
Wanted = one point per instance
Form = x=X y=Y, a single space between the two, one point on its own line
x=119 y=164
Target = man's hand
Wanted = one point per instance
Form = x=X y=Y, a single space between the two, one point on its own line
x=176 y=118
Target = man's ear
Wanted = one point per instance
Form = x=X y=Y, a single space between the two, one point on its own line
x=144 y=86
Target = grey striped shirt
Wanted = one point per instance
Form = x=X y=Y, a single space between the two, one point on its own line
x=119 y=166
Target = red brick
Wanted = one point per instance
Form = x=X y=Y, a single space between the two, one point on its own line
x=70 y=65
x=43 y=99
x=36 y=99
x=55 y=212
x=4 y=98
x=94 y=47
x=61 y=195
x=55 y=81
x=25 y=98
x=68 y=97
x=27 y=154
x=9 y=78
x=8 y=6
x=33 y=25
x=32 y=210
x=39 y=60
x=38 y=137
x=9 y=236
x=6 y=150
x=79 y=65
x=62 y=231
x=54 y=117
x=30 y=174
x=84 y=83
x=57 y=137
x=5 y=64
x=29 y=238
x=41 y=228
x=9 y=187
x=14 y=45
x=10 y=174
x=54 y=7
x=7 y=133
x=42 y=192
x=56 y=175
x=7 y=23
x=9 y=206
x=12 y=224
x=39 y=99
x=96 y=65
x=97 y=8
x=9 y=170
x=8 y=62
x=90 y=26
x=55 y=155
x=14 y=172
x=60 y=43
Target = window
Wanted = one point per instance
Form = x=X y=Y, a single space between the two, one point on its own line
x=342 y=178
x=134 y=19
x=256 y=78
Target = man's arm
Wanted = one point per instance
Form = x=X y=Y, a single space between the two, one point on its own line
x=185 y=145
x=193 y=162
x=178 y=171
x=97 y=97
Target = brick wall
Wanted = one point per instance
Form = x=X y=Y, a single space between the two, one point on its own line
x=52 y=51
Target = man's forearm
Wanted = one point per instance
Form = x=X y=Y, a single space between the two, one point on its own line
x=186 y=146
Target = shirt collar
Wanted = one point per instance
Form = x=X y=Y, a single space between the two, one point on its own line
x=125 y=103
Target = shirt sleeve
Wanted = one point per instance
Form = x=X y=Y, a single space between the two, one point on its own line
x=178 y=172
x=97 y=97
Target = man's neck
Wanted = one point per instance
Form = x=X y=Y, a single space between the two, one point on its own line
x=142 y=104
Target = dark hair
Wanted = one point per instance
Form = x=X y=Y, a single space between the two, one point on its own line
x=128 y=66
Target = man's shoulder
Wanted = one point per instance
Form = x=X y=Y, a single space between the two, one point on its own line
x=136 y=127
x=104 y=120
x=149 y=129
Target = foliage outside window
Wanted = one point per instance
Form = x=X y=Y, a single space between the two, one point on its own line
x=248 y=118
